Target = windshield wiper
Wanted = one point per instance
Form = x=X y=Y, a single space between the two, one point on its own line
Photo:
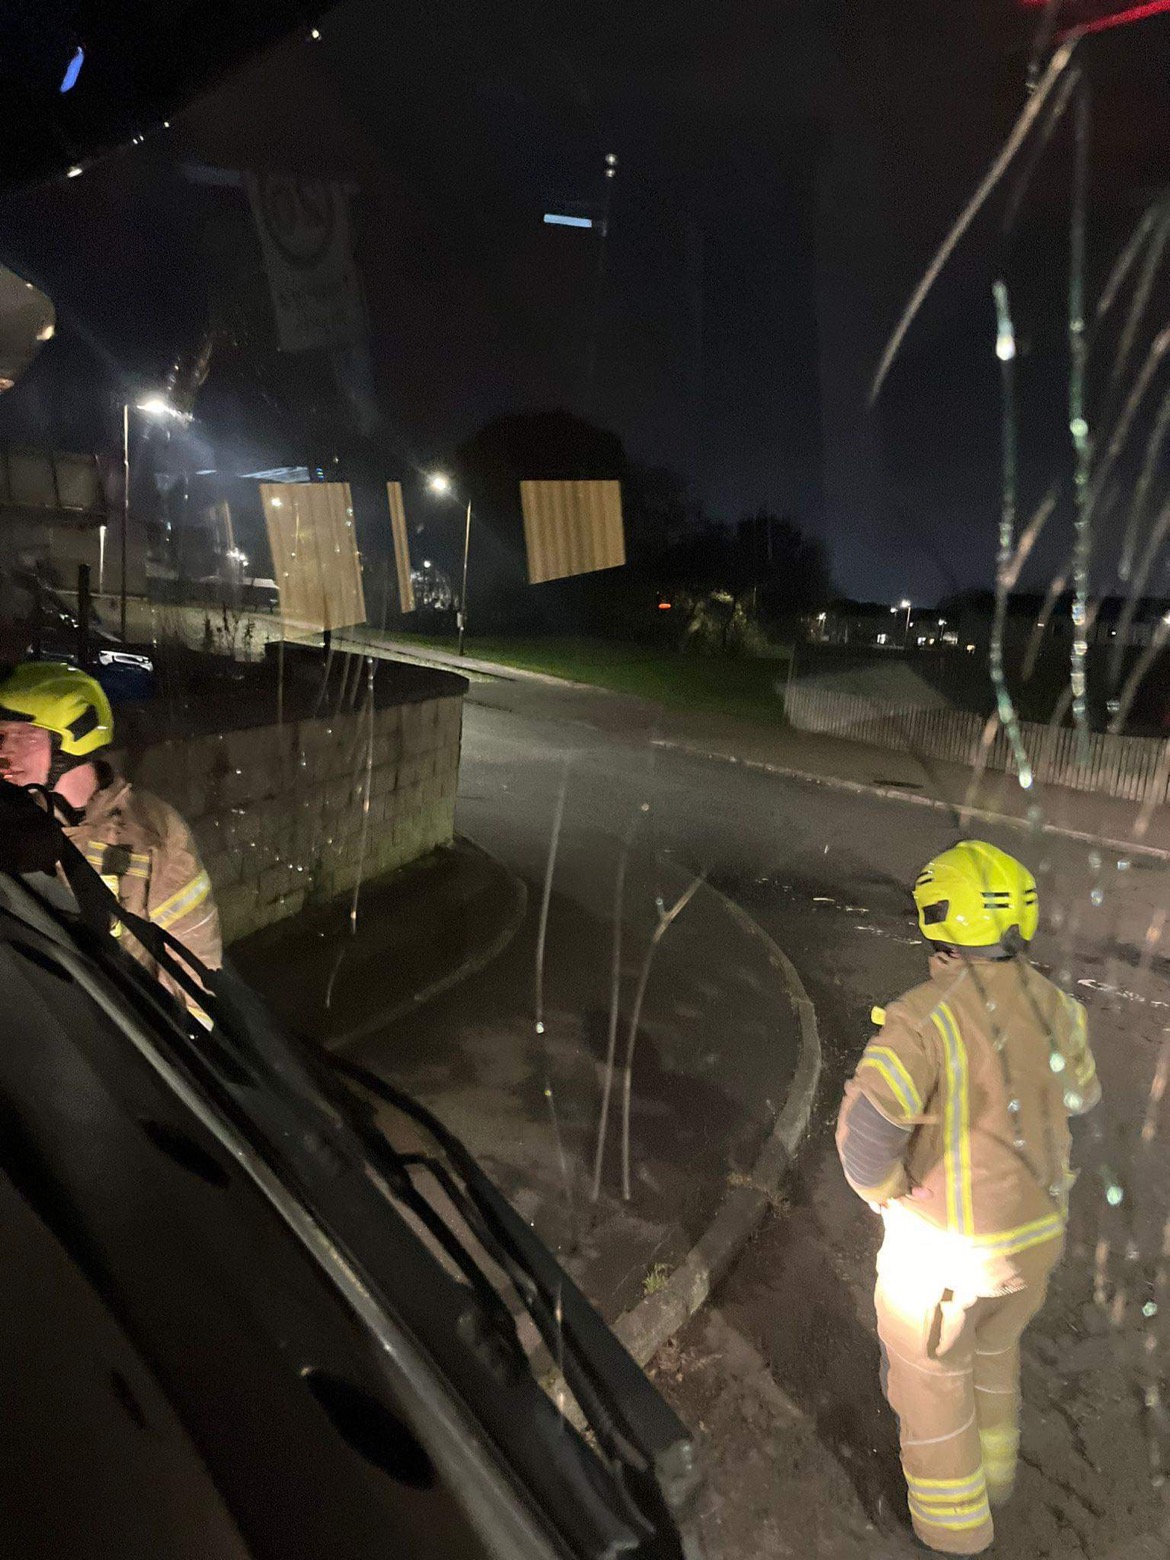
x=279 y=1092
x=633 y=1425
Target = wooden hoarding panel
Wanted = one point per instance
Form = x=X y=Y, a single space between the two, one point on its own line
x=572 y=528
x=314 y=553
x=401 y=547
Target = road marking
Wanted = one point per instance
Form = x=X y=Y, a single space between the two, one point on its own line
x=880 y=931
x=1121 y=991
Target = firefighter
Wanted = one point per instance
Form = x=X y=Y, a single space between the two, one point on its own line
x=55 y=723
x=955 y=1128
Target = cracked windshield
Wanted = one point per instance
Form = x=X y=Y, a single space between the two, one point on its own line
x=614 y=565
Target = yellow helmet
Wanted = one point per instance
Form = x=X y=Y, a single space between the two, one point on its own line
x=973 y=895
x=62 y=700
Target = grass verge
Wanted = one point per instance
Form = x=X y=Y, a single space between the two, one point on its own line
x=749 y=689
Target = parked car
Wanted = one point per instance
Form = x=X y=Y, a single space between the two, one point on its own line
x=46 y=628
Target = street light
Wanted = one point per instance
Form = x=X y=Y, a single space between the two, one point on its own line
x=904 y=606
x=441 y=485
x=159 y=408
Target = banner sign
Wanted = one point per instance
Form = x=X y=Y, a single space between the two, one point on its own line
x=572 y=528
x=304 y=235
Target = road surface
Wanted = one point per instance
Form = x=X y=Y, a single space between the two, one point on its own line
x=780 y=1372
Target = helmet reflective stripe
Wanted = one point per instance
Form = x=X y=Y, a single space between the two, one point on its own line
x=62 y=700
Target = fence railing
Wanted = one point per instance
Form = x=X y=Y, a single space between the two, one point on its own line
x=1131 y=768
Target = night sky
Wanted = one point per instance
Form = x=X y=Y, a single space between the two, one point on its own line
x=785 y=172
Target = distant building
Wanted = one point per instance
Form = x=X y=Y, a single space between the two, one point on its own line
x=966 y=623
x=1049 y=619
x=859 y=624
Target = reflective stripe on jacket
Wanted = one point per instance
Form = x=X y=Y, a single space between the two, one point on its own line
x=985 y=1066
x=147 y=856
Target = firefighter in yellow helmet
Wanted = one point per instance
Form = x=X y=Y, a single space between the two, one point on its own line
x=955 y=1127
x=55 y=724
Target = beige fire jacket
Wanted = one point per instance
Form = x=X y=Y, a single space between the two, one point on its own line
x=145 y=853
x=982 y=1068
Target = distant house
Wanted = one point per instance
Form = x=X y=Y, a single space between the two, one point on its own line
x=965 y=623
x=877 y=624
x=1050 y=619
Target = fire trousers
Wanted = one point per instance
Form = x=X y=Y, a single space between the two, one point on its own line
x=952 y=1365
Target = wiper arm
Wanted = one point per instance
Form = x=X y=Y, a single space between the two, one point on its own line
x=632 y=1423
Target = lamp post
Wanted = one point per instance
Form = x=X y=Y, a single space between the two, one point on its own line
x=159 y=408
x=441 y=485
x=904 y=606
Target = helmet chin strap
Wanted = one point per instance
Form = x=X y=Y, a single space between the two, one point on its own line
x=55 y=804
x=60 y=763
x=63 y=764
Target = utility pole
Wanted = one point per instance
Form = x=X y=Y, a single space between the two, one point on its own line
x=611 y=165
x=125 y=511
x=463 y=590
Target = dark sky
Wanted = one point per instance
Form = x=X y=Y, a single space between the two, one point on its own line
x=785 y=171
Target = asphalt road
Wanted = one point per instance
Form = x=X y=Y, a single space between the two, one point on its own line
x=826 y=874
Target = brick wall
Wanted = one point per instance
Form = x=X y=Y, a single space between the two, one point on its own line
x=278 y=810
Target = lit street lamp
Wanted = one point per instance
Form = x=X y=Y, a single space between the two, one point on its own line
x=904 y=606
x=441 y=485
x=159 y=408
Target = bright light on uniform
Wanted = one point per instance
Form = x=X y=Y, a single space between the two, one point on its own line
x=74 y=172
x=439 y=482
x=555 y=220
x=73 y=70
x=1005 y=346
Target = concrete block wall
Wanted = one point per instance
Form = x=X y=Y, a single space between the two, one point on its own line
x=293 y=814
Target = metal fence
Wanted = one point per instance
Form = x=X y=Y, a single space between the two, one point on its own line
x=1132 y=768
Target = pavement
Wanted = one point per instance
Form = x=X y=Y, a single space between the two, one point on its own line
x=437 y=988
x=778 y=1372
x=343 y=969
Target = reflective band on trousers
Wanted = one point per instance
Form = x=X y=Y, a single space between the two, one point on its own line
x=953 y=1504
x=1000 y=1449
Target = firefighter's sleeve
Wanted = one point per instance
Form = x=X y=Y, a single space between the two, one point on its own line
x=1083 y=1089
x=884 y=1101
x=181 y=900
x=871 y=1150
